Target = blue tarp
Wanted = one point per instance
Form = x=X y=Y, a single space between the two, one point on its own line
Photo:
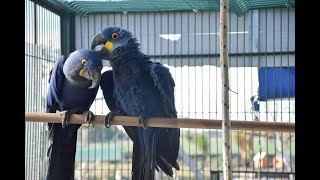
x=276 y=82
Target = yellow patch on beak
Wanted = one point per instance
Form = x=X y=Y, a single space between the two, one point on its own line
x=81 y=72
x=109 y=46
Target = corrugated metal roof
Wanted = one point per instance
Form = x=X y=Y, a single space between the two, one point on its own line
x=238 y=7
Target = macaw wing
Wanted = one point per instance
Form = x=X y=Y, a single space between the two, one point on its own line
x=107 y=87
x=56 y=78
x=164 y=82
x=169 y=137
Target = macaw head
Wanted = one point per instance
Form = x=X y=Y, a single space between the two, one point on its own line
x=83 y=67
x=116 y=42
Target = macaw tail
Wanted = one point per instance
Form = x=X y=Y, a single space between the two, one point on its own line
x=144 y=155
x=166 y=160
x=61 y=153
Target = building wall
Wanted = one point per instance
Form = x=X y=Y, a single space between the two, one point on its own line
x=197 y=33
x=188 y=43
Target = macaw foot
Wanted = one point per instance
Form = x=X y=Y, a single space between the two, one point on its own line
x=141 y=121
x=109 y=117
x=89 y=116
x=65 y=117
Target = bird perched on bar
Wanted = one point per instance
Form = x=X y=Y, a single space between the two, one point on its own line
x=73 y=85
x=145 y=89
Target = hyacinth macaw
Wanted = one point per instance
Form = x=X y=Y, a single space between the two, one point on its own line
x=73 y=85
x=145 y=89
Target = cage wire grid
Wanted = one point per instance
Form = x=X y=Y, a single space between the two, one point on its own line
x=187 y=43
x=42 y=48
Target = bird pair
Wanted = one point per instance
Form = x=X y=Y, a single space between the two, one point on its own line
x=136 y=86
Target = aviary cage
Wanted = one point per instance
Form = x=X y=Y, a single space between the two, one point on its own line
x=184 y=36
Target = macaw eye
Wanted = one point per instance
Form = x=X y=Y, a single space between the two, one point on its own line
x=84 y=62
x=115 y=36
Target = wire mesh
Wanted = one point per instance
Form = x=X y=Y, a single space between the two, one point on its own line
x=42 y=47
x=188 y=44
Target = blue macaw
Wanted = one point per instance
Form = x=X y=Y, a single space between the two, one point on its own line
x=141 y=88
x=74 y=83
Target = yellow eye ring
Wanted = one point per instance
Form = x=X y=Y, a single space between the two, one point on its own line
x=84 y=62
x=115 y=35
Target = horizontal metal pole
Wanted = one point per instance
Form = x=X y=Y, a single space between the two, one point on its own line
x=50 y=6
x=166 y=122
x=263 y=171
x=239 y=54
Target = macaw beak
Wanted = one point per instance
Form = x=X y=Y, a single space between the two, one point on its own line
x=97 y=40
x=105 y=50
x=93 y=75
x=104 y=53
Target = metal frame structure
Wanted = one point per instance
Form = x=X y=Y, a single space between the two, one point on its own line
x=68 y=39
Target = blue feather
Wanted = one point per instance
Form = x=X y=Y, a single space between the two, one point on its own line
x=146 y=88
x=56 y=80
x=64 y=95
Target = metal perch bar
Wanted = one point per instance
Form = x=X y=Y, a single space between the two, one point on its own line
x=166 y=122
